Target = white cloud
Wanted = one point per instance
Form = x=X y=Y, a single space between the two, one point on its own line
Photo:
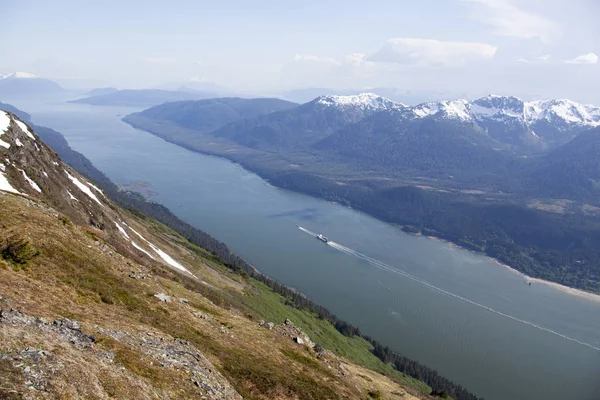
x=432 y=52
x=315 y=59
x=355 y=58
x=508 y=19
x=589 y=58
x=544 y=58
x=160 y=60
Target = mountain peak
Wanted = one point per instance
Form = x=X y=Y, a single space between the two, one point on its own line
x=366 y=101
x=567 y=111
x=453 y=109
x=18 y=75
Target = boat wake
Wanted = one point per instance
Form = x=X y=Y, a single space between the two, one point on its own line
x=383 y=266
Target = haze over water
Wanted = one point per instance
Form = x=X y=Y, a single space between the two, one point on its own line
x=473 y=320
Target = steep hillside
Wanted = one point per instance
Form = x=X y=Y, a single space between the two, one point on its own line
x=571 y=171
x=132 y=309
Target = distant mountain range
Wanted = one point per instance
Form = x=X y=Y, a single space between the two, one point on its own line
x=142 y=97
x=496 y=122
x=502 y=143
x=519 y=181
x=21 y=84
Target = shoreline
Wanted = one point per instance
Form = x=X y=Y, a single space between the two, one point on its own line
x=558 y=286
x=563 y=288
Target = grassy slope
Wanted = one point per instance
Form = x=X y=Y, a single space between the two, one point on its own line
x=79 y=276
x=271 y=307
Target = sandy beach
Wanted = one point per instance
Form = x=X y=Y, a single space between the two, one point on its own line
x=558 y=286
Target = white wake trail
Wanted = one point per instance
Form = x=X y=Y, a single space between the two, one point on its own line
x=383 y=266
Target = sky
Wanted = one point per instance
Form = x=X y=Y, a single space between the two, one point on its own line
x=455 y=48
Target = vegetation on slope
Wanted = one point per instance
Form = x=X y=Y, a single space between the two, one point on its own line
x=219 y=254
x=138 y=341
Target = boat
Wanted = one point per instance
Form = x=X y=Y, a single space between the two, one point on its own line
x=322 y=238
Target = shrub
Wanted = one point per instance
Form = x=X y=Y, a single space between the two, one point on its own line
x=18 y=249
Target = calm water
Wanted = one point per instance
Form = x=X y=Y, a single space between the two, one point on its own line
x=460 y=313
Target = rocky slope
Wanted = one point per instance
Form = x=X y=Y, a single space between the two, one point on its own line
x=99 y=302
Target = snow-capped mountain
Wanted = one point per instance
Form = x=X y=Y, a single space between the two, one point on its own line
x=22 y=84
x=361 y=101
x=453 y=109
x=19 y=75
x=534 y=124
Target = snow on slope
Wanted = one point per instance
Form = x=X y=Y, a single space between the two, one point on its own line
x=566 y=110
x=4 y=122
x=4 y=125
x=453 y=109
x=363 y=101
x=31 y=182
x=137 y=246
x=83 y=188
x=24 y=128
x=71 y=196
x=18 y=75
x=166 y=258
x=511 y=109
x=4 y=184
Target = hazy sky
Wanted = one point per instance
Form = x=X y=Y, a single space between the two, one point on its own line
x=530 y=48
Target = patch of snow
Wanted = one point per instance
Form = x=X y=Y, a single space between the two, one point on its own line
x=31 y=182
x=4 y=122
x=18 y=75
x=5 y=185
x=55 y=163
x=142 y=250
x=123 y=232
x=493 y=112
x=36 y=147
x=454 y=109
x=365 y=101
x=83 y=188
x=24 y=128
x=96 y=189
x=71 y=196
x=4 y=125
x=567 y=110
x=457 y=109
x=18 y=142
x=45 y=174
x=166 y=258
x=425 y=110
